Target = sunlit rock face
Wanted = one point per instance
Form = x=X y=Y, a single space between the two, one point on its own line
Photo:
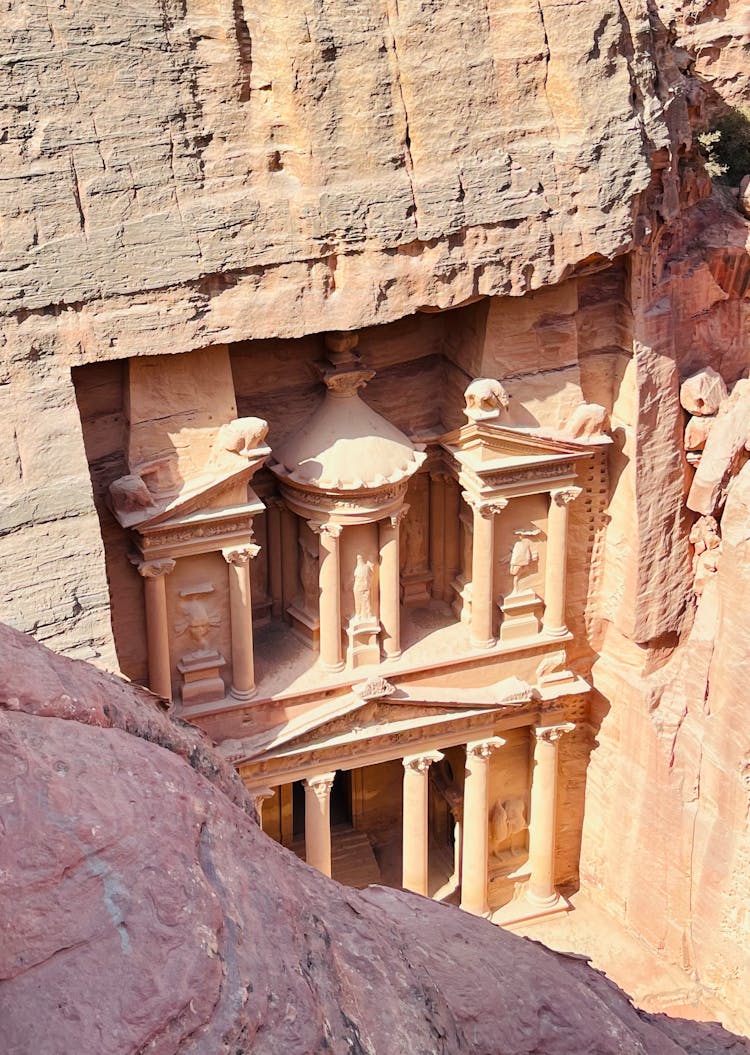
x=153 y=914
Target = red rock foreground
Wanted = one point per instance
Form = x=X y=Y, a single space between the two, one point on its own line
x=144 y=911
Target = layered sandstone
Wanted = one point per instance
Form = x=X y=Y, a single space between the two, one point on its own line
x=185 y=175
x=145 y=910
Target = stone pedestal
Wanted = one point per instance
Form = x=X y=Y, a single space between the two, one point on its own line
x=201 y=680
x=416 y=589
x=364 y=648
x=520 y=613
x=415 y=821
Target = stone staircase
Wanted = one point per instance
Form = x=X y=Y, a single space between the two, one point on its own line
x=352 y=860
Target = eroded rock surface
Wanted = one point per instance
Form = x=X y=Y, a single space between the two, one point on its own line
x=144 y=910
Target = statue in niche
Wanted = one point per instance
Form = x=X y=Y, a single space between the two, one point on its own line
x=413 y=551
x=197 y=621
x=704 y=535
x=523 y=555
x=507 y=822
x=309 y=578
x=364 y=572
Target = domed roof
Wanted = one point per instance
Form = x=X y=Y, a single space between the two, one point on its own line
x=346 y=445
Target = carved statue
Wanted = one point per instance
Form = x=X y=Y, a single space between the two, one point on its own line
x=413 y=539
x=308 y=577
x=588 y=421
x=129 y=494
x=197 y=621
x=485 y=398
x=242 y=436
x=523 y=555
x=362 y=589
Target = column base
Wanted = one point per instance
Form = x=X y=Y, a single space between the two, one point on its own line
x=242 y=695
x=391 y=655
x=527 y=907
x=484 y=645
x=483 y=914
x=555 y=631
x=332 y=668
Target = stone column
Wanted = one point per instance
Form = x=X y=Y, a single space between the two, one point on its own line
x=154 y=573
x=416 y=834
x=289 y=566
x=541 y=890
x=318 y=821
x=476 y=853
x=556 y=558
x=452 y=504
x=482 y=570
x=390 y=587
x=437 y=534
x=274 y=508
x=241 y=607
x=259 y=795
x=331 y=653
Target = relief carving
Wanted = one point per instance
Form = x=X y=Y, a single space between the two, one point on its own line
x=523 y=555
x=507 y=822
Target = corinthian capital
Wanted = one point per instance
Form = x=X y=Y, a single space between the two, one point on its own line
x=565 y=495
x=397 y=517
x=320 y=785
x=326 y=528
x=240 y=554
x=484 y=748
x=153 y=569
x=550 y=734
x=485 y=509
x=421 y=763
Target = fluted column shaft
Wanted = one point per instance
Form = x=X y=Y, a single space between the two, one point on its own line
x=476 y=826
x=416 y=834
x=241 y=610
x=557 y=555
x=541 y=890
x=318 y=822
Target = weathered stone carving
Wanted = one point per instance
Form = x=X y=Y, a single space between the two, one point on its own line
x=485 y=399
x=130 y=494
x=507 y=820
x=197 y=620
x=364 y=572
x=588 y=421
x=243 y=436
x=523 y=554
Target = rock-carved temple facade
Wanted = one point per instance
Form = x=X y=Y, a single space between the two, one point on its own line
x=372 y=621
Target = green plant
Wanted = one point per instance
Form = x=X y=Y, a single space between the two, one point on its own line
x=726 y=146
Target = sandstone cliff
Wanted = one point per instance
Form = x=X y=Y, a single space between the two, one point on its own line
x=144 y=910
